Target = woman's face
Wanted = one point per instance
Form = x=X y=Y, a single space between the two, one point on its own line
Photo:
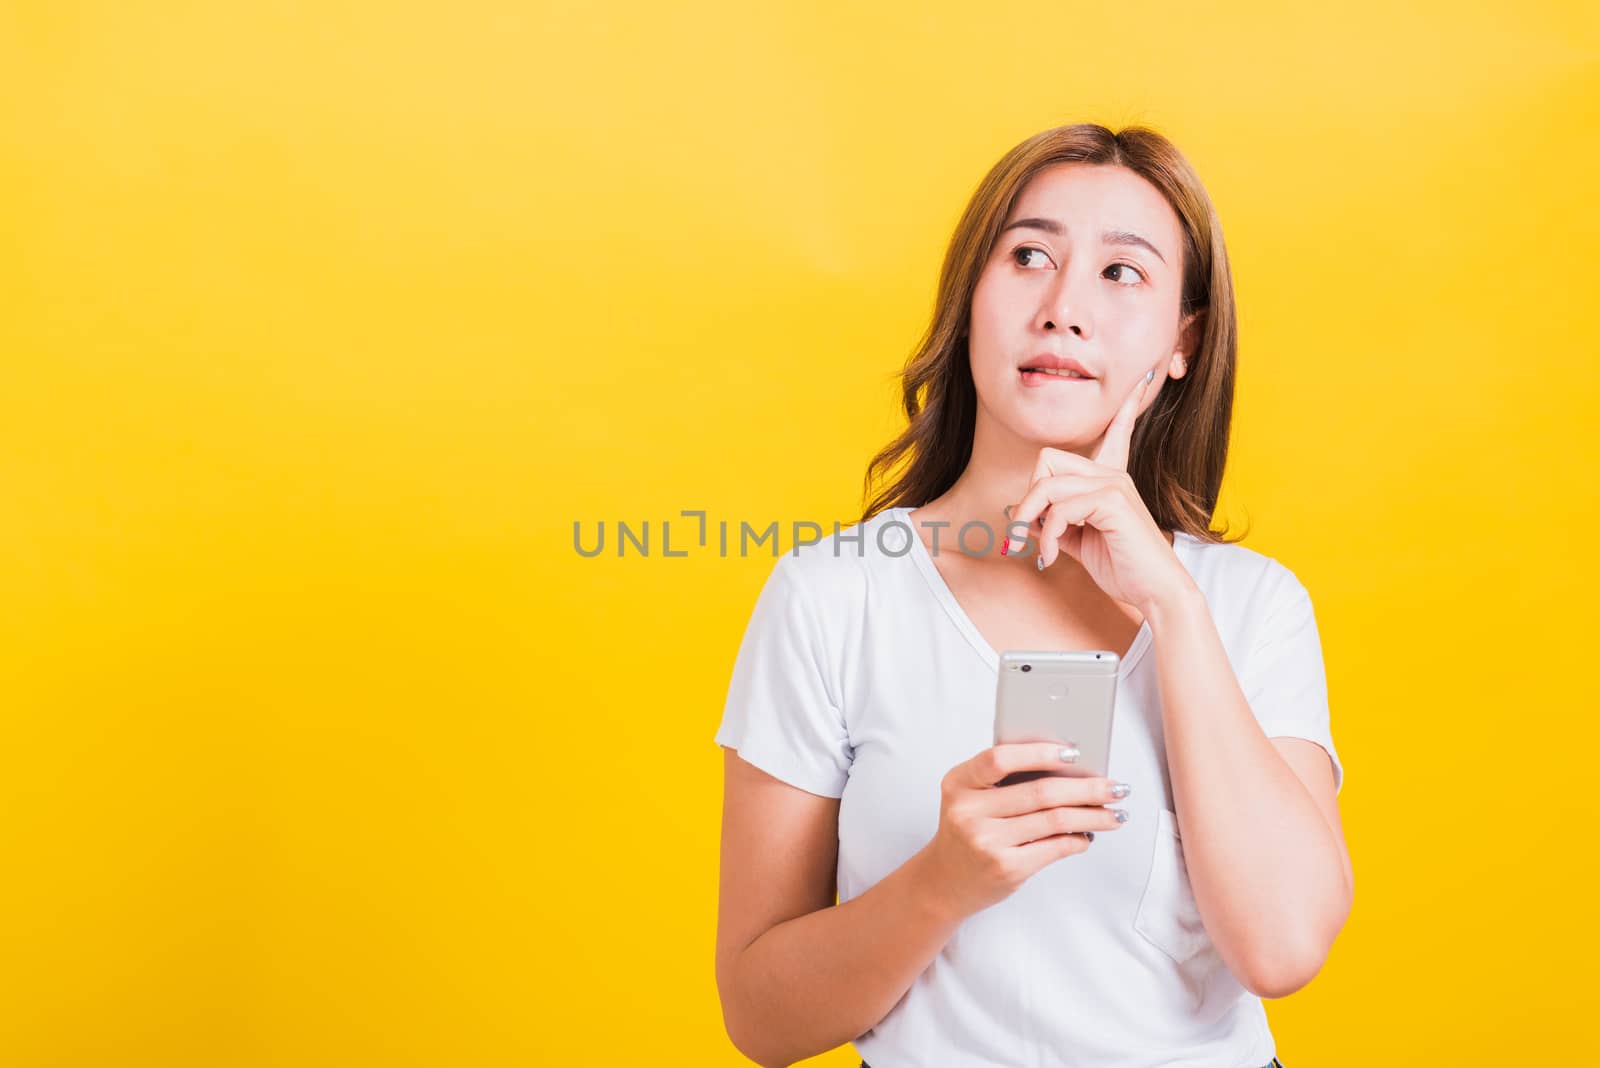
x=1087 y=267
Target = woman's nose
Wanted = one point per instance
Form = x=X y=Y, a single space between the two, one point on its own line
x=1066 y=307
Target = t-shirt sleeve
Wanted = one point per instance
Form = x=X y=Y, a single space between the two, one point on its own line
x=1284 y=679
x=782 y=713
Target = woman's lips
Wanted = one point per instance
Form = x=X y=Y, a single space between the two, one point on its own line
x=1036 y=379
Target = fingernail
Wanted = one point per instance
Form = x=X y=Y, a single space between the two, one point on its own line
x=1150 y=374
x=1069 y=754
x=1120 y=790
x=1004 y=545
x=1121 y=814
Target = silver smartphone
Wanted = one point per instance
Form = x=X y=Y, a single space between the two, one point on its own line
x=1066 y=697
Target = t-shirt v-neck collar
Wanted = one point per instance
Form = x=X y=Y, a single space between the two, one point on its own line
x=942 y=593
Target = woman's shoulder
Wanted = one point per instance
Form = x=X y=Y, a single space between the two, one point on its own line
x=1235 y=574
x=839 y=566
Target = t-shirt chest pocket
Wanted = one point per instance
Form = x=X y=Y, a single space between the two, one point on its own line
x=1168 y=917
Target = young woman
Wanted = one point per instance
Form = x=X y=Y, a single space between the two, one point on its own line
x=1074 y=392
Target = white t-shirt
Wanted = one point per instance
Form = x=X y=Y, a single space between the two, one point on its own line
x=860 y=677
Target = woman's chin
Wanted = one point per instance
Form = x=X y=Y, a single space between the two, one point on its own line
x=1055 y=436
x=1037 y=426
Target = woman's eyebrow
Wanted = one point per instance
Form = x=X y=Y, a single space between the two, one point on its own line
x=1110 y=237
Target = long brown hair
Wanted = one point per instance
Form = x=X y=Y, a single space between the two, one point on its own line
x=1180 y=444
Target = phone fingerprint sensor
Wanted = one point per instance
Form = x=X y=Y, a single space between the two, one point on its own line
x=1057 y=691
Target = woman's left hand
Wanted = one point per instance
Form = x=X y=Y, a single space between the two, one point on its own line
x=1092 y=511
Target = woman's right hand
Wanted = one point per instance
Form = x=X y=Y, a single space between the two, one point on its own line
x=992 y=838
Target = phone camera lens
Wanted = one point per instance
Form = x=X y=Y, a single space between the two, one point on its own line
x=1027 y=667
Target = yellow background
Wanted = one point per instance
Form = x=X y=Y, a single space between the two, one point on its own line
x=323 y=323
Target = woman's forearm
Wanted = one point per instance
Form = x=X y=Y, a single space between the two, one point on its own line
x=1269 y=873
x=820 y=980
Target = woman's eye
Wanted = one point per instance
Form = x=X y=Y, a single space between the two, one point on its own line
x=1020 y=256
x=1127 y=267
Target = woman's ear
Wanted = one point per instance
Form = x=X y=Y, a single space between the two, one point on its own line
x=1189 y=335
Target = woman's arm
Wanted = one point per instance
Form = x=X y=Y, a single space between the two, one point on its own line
x=1261 y=833
x=797 y=973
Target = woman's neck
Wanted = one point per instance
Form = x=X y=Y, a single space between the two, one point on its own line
x=983 y=493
